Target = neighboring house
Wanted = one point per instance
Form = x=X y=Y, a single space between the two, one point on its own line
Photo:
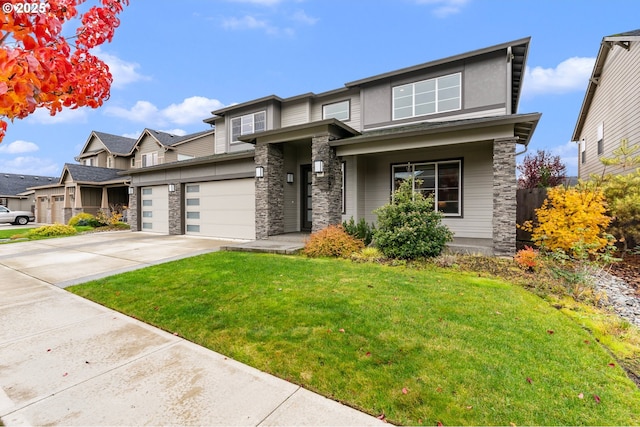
x=100 y=181
x=610 y=112
x=15 y=193
x=283 y=165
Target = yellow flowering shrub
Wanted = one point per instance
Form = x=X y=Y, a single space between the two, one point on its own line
x=572 y=219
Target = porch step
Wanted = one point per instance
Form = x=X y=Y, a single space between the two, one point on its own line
x=282 y=247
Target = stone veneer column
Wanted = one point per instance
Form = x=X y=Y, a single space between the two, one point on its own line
x=270 y=190
x=176 y=219
x=132 y=214
x=504 y=196
x=326 y=190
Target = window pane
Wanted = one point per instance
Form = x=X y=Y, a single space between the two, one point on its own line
x=247 y=124
x=193 y=215
x=339 y=110
x=147 y=225
x=448 y=175
x=193 y=202
x=260 y=122
x=423 y=109
x=400 y=173
x=449 y=81
x=193 y=188
x=147 y=191
x=402 y=113
x=426 y=174
x=193 y=228
x=147 y=203
x=147 y=214
x=235 y=128
x=449 y=104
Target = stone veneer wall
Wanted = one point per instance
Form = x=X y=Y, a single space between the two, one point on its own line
x=176 y=219
x=504 y=197
x=326 y=191
x=270 y=190
x=133 y=210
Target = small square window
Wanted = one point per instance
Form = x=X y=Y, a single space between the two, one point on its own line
x=193 y=215
x=147 y=225
x=193 y=202
x=193 y=228
x=147 y=203
x=193 y=188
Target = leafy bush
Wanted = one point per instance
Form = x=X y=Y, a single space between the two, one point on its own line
x=527 y=259
x=52 y=231
x=409 y=227
x=83 y=219
x=360 y=230
x=332 y=241
x=368 y=254
x=569 y=217
x=109 y=218
x=622 y=193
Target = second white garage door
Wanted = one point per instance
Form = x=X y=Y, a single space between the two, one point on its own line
x=223 y=209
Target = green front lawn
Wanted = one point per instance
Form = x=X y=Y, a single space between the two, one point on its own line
x=8 y=233
x=419 y=346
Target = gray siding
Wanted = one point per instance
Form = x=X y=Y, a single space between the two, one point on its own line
x=149 y=145
x=616 y=104
x=296 y=112
x=355 y=107
x=477 y=186
x=200 y=147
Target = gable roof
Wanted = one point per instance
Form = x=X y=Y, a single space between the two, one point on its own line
x=90 y=174
x=15 y=185
x=607 y=43
x=169 y=140
x=115 y=144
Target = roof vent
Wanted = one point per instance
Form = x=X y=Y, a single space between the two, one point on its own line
x=21 y=177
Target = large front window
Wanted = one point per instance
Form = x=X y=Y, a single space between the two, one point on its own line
x=427 y=97
x=440 y=179
x=247 y=124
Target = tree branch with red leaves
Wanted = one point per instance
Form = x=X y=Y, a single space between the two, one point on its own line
x=39 y=68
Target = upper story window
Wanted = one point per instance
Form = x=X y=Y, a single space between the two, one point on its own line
x=250 y=123
x=149 y=159
x=600 y=138
x=427 y=97
x=109 y=162
x=337 y=110
x=88 y=162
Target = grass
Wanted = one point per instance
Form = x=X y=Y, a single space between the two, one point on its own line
x=7 y=234
x=419 y=346
x=19 y=234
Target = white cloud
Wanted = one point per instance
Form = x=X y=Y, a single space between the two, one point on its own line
x=30 y=166
x=133 y=135
x=444 y=8
x=569 y=155
x=18 y=147
x=570 y=75
x=67 y=115
x=190 y=111
x=178 y=132
x=249 y=22
x=123 y=72
x=301 y=17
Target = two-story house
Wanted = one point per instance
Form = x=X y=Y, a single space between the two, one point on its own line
x=100 y=182
x=304 y=162
x=610 y=112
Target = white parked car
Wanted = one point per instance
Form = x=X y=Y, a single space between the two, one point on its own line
x=15 y=217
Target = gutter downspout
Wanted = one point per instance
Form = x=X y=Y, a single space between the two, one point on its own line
x=509 y=82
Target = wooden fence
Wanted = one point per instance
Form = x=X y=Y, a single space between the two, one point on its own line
x=528 y=201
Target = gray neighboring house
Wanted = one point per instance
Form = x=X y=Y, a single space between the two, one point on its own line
x=610 y=111
x=286 y=165
x=15 y=190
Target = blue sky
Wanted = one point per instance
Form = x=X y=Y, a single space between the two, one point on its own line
x=175 y=61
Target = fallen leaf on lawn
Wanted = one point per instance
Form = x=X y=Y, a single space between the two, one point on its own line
x=581 y=396
x=550 y=332
x=65 y=374
x=381 y=417
x=529 y=380
x=440 y=424
x=596 y=398
x=613 y=365
x=512 y=424
x=368 y=354
x=329 y=331
x=439 y=389
x=342 y=330
x=587 y=342
x=497 y=312
x=469 y=408
x=404 y=390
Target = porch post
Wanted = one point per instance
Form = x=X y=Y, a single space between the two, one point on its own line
x=504 y=196
x=326 y=188
x=270 y=190
x=133 y=212
x=104 y=203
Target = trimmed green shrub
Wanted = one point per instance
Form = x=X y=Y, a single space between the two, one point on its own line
x=332 y=241
x=360 y=230
x=84 y=219
x=409 y=227
x=52 y=231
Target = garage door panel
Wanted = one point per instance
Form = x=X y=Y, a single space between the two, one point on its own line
x=155 y=209
x=221 y=209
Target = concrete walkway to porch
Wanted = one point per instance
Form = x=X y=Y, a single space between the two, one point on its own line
x=285 y=244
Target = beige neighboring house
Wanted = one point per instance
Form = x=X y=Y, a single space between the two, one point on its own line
x=99 y=182
x=610 y=112
x=15 y=193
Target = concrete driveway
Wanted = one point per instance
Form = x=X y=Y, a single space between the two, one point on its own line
x=67 y=361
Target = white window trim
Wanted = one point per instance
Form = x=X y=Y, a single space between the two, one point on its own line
x=435 y=199
x=154 y=159
x=253 y=125
x=413 y=104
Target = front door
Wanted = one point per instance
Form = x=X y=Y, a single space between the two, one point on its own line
x=307 y=211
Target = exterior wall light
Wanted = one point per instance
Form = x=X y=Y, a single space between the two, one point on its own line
x=259 y=172
x=289 y=177
x=130 y=190
x=318 y=166
x=172 y=188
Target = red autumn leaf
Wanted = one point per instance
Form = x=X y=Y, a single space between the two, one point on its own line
x=613 y=365
x=381 y=416
x=529 y=380
x=550 y=332
x=65 y=374
x=368 y=354
x=596 y=398
x=587 y=342
x=405 y=390
x=440 y=424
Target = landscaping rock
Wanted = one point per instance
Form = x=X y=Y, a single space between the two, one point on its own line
x=621 y=296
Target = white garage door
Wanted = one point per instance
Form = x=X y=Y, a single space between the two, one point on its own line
x=155 y=209
x=221 y=209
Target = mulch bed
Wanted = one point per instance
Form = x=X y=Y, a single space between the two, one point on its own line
x=628 y=270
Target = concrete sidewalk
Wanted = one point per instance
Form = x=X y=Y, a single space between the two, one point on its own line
x=67 y=361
